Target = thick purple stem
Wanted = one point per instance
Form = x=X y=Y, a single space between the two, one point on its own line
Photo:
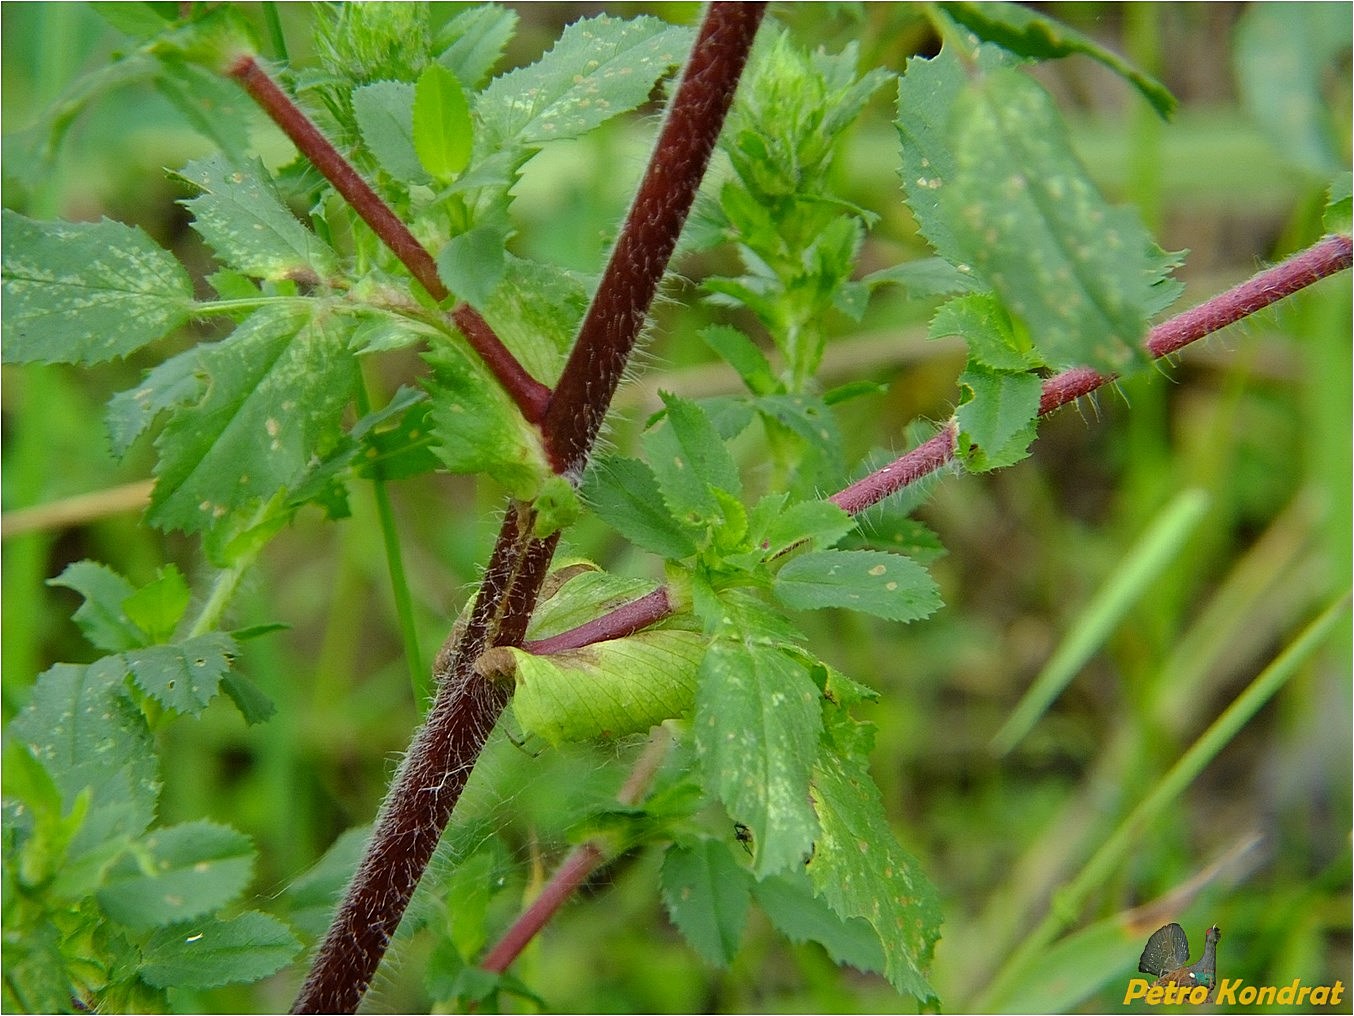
x=640 y=257
x=443 y=753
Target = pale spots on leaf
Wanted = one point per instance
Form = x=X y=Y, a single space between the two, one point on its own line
x=877 y=570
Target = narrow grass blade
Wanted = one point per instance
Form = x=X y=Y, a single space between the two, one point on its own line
x=1153 y=552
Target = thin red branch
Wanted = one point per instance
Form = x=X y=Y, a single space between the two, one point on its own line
x=529 y=394
x=1325 y=258
x=581 y=862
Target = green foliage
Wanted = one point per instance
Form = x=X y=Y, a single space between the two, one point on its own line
x=86 y=292
x=767 y=799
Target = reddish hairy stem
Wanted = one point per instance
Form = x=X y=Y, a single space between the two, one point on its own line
x=630 y=280
x=430 y=781
x=529 y=394
x=616 y=624
x=1325 y=258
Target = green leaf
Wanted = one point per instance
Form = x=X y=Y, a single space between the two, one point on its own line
x=1074 y=271
x=102 y=617
x=210 y=953
x=706 y=892
x=183 y=677
x=599 y=68
x=384 y=111
x=688 y=458
x=156 y=607
x=926 y=94
x=879 y=583
x=996 y=416
x=624 y=493
x=172 y=383
x=253 y=704
x=87 y=734
x=472 y=263
x=473 y=41
x=243 y=219
x=477 y=428
x=861 y=871
x=605 y=690
x=923 y=278
x=1284 y=57
x=442 y=128
x=276 y=390
x=184 y=871
x=85 y=292
x=743 y=356
x=1028 y=33
x=757 y=724
x=820 y=523
x=789 y=901
x=981 y=321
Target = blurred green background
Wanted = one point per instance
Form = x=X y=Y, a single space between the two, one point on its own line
x=1247 y=440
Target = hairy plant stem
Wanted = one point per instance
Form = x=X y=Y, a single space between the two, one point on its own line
x=529 y=394
x=1324 y=258
x=430 y=780
x=618 y=310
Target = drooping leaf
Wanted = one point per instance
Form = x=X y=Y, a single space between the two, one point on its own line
x=1076 y=272
x=819 y=523
x=384 y=111
x=85 y=292
x=608 y=689
x=102 y=617
x=477 y=428
x=706 y=892
x=276 y=390
x=442 y=129
x=253 y=704
x=536 y=310
x=472 y=42
x=996 y=415
x=194 y=869
x=172 y=383
x=757 y=723
x=624 y=493
x=243 y=219
x=184 y=676
x=1031 y=34
x=210 y=952
x=157 y=607
x=600 y=67
x=789 y=901
x=861 y=871
x=742 y=355
x=886 y=585
x=689 y=459
x=81 y=726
